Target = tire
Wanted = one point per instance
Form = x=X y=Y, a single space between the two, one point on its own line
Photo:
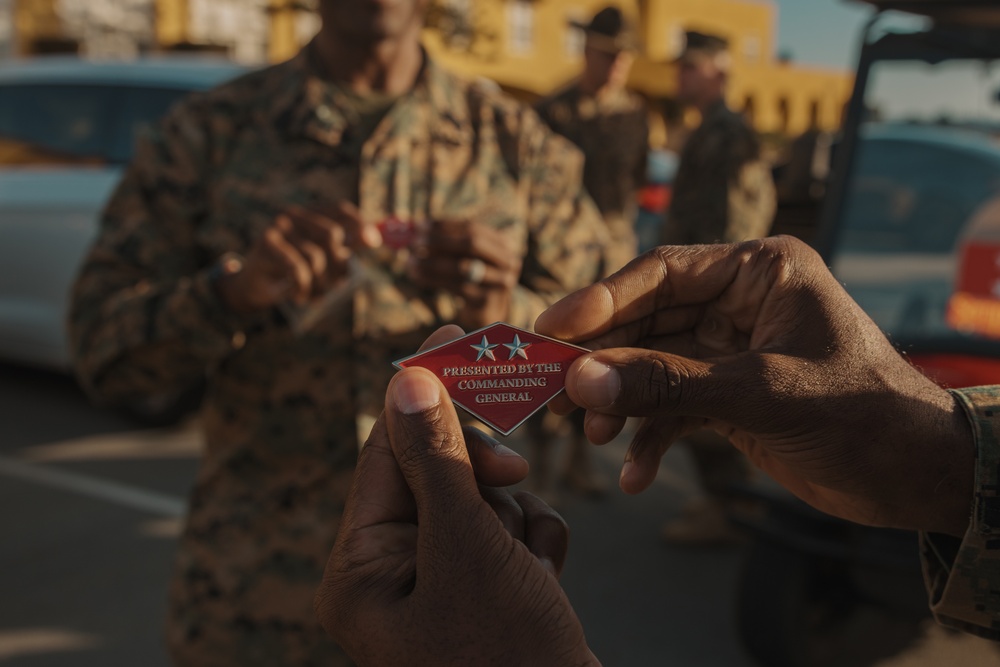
x=791 y=606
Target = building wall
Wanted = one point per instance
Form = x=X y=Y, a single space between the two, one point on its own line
x=782 y=98
x=533 y=49
x=241 y=26
x=749 y=25
x=527 y=46
x=34 y=19
x=109 y=28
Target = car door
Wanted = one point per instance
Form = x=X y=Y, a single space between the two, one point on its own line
x=62 y=151
x=54 y=177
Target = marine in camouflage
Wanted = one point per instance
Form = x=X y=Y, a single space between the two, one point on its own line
x=963 y=576
x=723 y=192
x=612 y=130
x=282 y=409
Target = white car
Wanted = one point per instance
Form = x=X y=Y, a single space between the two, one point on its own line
x=66 y=133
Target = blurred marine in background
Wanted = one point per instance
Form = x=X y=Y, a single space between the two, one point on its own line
x=611 y=126
x=288 y=235
x=723 y=193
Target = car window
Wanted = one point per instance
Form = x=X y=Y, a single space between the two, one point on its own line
x=49 y=124
x=927 y=166
x=141 y=108
x=914 y=196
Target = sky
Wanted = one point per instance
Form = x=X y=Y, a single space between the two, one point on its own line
x=827 y=32
x=821 y=32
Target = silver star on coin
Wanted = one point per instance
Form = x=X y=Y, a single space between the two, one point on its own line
x=517 y=348
x=485 y=350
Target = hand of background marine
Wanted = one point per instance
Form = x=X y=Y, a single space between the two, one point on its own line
x=444 y=259
x=759 y=342
x=301 y=255
x=434 y=567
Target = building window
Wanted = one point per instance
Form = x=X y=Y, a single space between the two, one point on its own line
x=520 y=26
x=749 y=109
x=576 y=38
x=751 y=49
x=784 y=115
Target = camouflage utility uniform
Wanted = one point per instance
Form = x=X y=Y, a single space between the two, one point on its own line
x=723 y=192
x=613 y=133
x=281 y=408
x=963 y=576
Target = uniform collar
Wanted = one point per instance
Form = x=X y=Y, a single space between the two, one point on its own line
x=308 y=105
x=717 y=108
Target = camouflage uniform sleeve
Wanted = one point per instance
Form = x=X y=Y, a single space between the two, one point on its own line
x=699 y=209
x=963 y=576
x=752 y=203
x=641 y=167
x=724 y=192
x=144 y=318
x=566 y=238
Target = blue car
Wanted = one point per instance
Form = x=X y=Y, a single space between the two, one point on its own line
x=66 y=132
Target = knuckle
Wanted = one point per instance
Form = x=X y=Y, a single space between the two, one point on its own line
x=552 y=524
x=329 y=236
x=336 y=601
x=425 y=440
x=662 y=385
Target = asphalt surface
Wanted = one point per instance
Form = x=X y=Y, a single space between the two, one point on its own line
x=90 y=505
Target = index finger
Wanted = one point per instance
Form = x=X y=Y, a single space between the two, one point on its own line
x=316 y=225
x=464 y=238
x=654 y=294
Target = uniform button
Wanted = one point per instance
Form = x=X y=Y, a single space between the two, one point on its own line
x=238 y=340
x=324 y=113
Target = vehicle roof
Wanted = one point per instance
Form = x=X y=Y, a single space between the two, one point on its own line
x=973 y=13
x=188 y=72
x=968 y=141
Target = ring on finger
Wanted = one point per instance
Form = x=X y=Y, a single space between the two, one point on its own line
x=476 y=272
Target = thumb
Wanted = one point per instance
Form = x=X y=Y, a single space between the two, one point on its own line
x=428 y=443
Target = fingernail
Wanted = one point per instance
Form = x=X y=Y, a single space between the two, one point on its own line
x=372 y=237
x=501 y=450
x=415 y=392
x=626 y=471
x=598 y=384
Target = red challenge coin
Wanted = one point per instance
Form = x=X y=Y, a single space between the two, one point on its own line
x=501 y=375
x=397 y=233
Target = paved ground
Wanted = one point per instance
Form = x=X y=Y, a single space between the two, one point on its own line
x=89 y=508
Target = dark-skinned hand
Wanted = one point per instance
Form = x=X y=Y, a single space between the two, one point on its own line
x=759 y=342
x=302 y=255
x=433 y=565
x=444 y=257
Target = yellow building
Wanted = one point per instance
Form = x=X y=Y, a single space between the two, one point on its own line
x=530 y=48
x=526 y=46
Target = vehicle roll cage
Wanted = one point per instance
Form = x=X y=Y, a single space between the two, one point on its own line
x=960 y=30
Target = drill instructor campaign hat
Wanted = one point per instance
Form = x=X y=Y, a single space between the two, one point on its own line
x=700 y=46
x=609 y=31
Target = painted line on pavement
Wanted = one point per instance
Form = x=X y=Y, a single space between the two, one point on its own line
x=95 y=487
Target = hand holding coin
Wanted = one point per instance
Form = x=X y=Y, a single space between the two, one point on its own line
x=301 y=255
x=477 y=262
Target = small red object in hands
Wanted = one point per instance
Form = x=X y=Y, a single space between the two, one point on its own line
x=501 y=374
x=397 y=233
